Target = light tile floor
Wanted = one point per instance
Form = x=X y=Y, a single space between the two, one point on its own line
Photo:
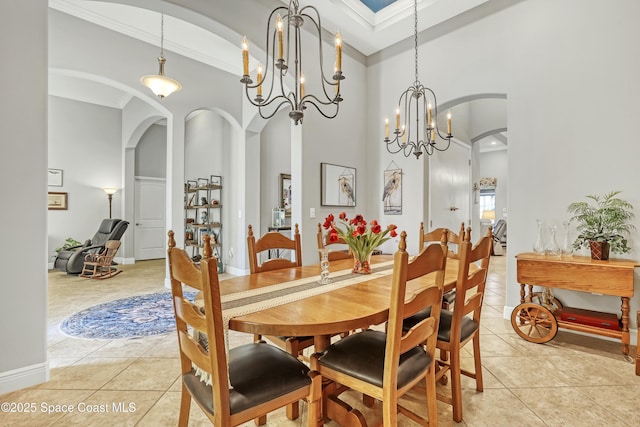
x=572 y=381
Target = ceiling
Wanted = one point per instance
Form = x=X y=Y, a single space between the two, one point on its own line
x=362 y=28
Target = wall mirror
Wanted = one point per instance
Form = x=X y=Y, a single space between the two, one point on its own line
x=285 y=193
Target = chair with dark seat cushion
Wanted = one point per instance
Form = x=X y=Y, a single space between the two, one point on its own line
x=385 y=366
x=253 y=380
x=277 y=242
x=71 y=260
x=461 y=324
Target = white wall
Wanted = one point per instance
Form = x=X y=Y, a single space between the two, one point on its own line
x=275 y=158
x=23 y=177
x=549 y=73
x=84 y=141
x=151 y=153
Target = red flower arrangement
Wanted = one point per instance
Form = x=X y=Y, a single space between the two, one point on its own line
x=362 y=240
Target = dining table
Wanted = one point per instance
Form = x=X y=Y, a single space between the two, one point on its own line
x=352 y=301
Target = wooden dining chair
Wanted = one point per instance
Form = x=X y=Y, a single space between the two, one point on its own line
x=387 y=365
x=253 y=379
x=434 y=236
x=99 y=265
x=461 y=324
x=275 y=241
x=323 y=242
x=452 y=238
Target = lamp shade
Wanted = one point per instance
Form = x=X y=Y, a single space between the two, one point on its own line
x=491 y=215
x=110 y=191
x=160 y=85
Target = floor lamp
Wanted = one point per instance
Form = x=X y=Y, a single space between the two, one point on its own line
x=110 y=192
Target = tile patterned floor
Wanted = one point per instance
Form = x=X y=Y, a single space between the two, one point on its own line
x=573 y=380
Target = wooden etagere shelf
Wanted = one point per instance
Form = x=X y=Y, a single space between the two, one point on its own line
x=203 y=214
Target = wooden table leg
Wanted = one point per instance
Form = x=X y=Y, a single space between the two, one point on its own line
x=625 y=326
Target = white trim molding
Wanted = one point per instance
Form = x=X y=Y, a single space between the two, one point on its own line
x=24 y=377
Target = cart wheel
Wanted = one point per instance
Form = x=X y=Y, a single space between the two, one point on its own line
x=534 y=323
x=536 y=298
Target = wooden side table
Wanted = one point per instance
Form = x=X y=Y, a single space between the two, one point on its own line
x=613 y=277
x=638 y=344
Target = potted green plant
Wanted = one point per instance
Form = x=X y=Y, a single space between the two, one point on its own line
x=68 y=244
x=602 y=223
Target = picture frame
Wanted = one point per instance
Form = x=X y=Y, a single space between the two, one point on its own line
x=54 y=177
x=392 y=193
x=338 y=185
x=285 y=193
x=57 y=201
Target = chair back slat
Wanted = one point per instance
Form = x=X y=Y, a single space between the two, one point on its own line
x=194 y=351
x=190 y=313
x=418 y=333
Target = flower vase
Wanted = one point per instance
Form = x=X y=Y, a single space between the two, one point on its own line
x=324 y=267
x=362 y=263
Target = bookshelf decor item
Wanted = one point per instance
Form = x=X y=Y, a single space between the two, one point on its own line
x=203 y=215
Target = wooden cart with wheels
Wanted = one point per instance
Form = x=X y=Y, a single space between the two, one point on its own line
x=538 y=321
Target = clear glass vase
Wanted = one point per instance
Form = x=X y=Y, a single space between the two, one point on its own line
x=362 y=263
x=324 y=267
x=567 y=247
x=538 y=246
x=552 y=248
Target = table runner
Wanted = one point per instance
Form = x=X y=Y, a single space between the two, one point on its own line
x=253 y=300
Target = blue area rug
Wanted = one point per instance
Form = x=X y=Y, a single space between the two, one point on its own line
x=133 y=317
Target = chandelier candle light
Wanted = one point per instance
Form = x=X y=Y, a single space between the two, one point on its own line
x=279 y=60
x=160 y=84
x=414 y=101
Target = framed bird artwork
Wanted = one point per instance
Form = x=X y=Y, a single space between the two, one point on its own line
x=392 y=193
x=338 y=185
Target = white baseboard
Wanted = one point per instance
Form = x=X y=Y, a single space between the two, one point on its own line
x=24 y=377
x=121 y=260
x=506 y=314
x=235 y=271
x=50 y=266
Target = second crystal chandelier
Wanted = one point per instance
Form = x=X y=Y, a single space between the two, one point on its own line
x=284 y=55
x=417 y=106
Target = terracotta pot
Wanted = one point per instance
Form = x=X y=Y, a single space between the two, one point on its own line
x=599 y=250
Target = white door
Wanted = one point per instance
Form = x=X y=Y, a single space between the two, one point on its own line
x=449 y=187
x=150 y=223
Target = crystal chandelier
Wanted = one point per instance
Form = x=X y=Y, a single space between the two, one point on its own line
x=284 y=55
x=160 y=84
x=417 y=135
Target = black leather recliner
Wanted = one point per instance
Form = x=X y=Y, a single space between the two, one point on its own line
x=71 y=260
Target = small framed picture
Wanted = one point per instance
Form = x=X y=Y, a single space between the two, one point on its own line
x=57 y=201
x=338 y=185
x=54 y=177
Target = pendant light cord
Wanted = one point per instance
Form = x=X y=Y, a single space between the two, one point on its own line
x=162 y=35
x=415 y=34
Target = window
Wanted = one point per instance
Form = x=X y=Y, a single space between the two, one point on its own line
x=487 y=201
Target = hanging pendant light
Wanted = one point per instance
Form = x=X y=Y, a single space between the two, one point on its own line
x=161 y=85
x=417 y=134
x=284 y=55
